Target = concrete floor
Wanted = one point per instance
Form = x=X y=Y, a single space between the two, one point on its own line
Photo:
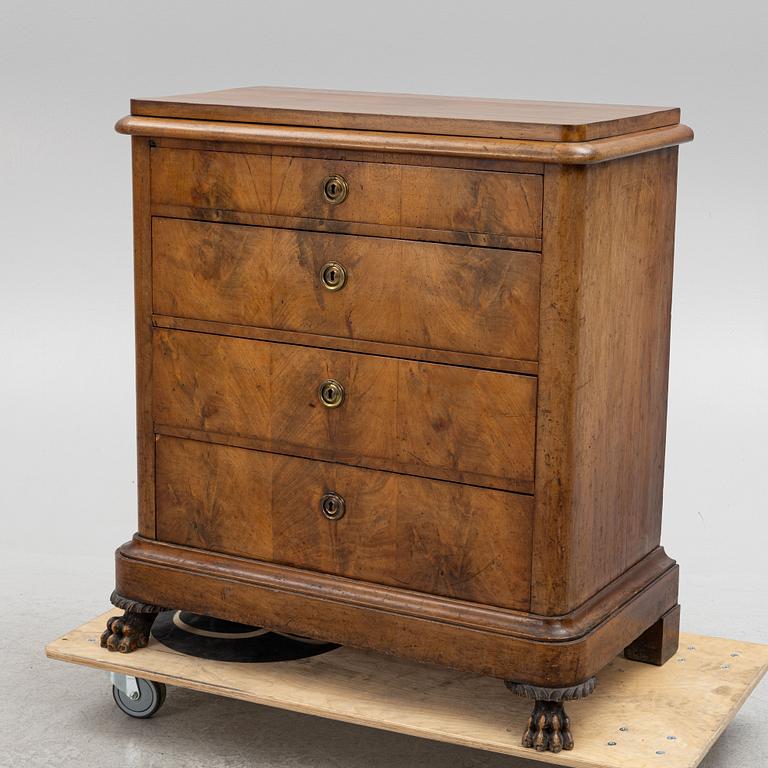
x=54 y=714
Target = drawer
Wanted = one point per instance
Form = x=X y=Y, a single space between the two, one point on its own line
x=477 y=300
x=384 y=194
x=426 y=535
x=439 y=421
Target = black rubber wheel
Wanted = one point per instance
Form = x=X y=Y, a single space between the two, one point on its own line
x=151 y=698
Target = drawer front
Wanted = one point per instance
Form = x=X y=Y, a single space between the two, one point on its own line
x=477 y=300
x=426 y=535
x=439 y=421
x=410 y=196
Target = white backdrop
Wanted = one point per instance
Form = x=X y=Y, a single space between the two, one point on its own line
x=67 y=71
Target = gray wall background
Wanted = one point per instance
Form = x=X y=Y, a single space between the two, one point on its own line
x=67 y=70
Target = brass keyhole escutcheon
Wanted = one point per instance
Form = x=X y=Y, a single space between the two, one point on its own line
x=332 y=506
x=333 y=276
x=335 y=189
x=331 y=393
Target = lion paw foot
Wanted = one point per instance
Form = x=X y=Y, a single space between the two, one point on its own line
x=128 y=632
x=549 y=728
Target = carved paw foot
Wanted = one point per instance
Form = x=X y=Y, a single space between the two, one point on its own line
x=128 y=632
x=549 y=728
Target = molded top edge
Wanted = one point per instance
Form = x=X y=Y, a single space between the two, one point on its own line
x=565 y=153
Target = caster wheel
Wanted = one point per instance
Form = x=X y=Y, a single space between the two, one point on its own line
x=150 y=699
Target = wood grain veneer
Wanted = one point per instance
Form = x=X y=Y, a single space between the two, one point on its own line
x=142 y=269
x=472 y=203
x=412 y=113
x=606 y=298
x=380 y=349
x=502 y=340
x=441 y=538
x=429 y=420
x=477 y=300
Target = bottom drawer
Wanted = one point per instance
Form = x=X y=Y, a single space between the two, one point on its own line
x=427 y=535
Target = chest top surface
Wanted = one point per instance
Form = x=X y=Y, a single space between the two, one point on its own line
x=412 y=113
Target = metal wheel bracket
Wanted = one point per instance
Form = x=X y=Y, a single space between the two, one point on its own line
x=126 y=683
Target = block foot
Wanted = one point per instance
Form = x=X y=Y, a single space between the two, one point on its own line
x=658 y=644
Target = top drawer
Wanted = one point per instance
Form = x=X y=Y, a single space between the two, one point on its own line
x=475 y=207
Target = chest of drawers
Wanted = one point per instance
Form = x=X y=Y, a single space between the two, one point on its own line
x=402 y=375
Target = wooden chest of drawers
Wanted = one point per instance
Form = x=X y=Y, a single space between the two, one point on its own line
x=402 y=372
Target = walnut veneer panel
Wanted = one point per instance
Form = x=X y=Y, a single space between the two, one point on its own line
x=442 y=538
x=477 y=300
x=412 y=197
x=450 y=115
x=606 y=298
x=432 y=420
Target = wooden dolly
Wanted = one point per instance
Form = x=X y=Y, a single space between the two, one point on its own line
x=639 y=716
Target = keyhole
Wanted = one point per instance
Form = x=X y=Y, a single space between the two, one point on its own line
x=335 y=189
x=331 y=393
x=332 y=506
x=333 y=276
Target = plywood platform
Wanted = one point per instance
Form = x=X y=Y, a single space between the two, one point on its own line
x=639 y=716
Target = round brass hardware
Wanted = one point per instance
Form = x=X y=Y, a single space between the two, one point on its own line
x=332 y=506
x=335 y=189
x=333 y=276
x=331 y=393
